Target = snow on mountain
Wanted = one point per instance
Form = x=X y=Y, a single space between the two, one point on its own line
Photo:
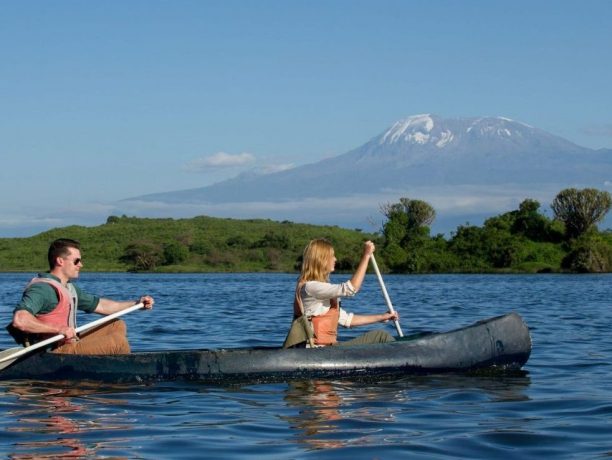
x=429 y=134
x=415 y=129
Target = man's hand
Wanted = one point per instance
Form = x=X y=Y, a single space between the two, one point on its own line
x=68 y=332
x=147 y=301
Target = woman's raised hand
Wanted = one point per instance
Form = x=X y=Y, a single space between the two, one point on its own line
x=368 y=248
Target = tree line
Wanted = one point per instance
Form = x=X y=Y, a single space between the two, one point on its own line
x=523 y=240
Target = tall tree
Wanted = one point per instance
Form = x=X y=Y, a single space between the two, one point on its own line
x=581 y=210
x=406 y=233
x=413 y=214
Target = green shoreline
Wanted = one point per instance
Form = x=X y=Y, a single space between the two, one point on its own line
x=219 y=245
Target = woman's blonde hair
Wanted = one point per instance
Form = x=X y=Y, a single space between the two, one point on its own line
x=315 y=267
x=315 y=262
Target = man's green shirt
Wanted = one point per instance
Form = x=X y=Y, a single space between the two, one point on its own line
x=41 y=298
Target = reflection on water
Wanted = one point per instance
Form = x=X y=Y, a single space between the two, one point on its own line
x=336 y=414
x=55 y=420
x=86 y=420
x=319 y=410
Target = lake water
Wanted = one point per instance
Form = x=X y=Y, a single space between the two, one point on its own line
x=560 y=407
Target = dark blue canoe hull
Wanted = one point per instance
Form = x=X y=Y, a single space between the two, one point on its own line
x=502 y=342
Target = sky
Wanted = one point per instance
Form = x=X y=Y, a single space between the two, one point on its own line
x=101 y=101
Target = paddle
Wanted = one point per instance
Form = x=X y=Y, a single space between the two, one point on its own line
x=385 y=294
x=7 y=357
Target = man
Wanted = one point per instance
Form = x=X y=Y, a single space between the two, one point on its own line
x=49 y=303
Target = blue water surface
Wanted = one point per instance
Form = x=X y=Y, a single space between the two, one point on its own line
x=561 y=406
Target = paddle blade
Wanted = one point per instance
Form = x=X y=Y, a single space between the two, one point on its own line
x=7 y=354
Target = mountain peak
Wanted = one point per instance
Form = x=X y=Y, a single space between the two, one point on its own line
x=432 y=132
x=497 y=126
x=415 y=129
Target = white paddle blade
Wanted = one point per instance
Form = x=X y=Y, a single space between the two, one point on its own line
x=6 y=355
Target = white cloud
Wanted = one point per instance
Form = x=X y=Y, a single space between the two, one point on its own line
x=599 y=130
x=354 y=210
x=270 y=169
x=219 y=160
x=23 y=220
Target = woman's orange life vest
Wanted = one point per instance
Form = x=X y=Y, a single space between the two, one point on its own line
x=64 y=313
x=326 y=326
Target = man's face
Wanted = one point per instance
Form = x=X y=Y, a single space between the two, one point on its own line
x=71 y=264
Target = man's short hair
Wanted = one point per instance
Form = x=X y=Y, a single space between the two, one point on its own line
x=59 y=248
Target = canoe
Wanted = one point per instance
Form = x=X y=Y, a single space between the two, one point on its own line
x=502 y=342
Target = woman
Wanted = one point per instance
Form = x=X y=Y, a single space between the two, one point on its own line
x=317 y=299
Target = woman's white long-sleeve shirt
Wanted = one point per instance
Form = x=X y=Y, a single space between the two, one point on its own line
x=316 y=297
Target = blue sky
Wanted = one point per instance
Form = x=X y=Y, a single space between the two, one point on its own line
x=101 y=101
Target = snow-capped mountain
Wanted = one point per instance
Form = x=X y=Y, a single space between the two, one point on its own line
x=424 y=157
x=420 y=135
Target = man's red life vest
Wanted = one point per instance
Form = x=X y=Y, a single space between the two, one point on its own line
x=64 y=313
x=326 y=326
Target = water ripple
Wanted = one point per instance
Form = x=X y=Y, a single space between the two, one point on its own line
x=561 y=406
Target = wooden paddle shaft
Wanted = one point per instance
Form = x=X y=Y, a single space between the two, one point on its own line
x=56 y=338
x=385 y=294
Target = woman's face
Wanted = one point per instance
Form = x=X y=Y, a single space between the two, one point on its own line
x=332 y=261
